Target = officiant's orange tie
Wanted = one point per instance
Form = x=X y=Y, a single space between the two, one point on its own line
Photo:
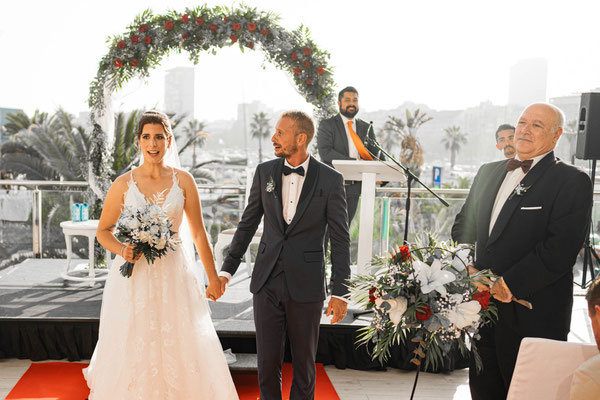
x=362 y=150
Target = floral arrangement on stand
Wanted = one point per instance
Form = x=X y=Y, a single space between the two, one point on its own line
x=423 y=294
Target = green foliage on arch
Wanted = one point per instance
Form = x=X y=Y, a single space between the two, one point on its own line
x=150 y=37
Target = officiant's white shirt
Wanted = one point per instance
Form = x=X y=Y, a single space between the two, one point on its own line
x=352 y=151
x=511 y=180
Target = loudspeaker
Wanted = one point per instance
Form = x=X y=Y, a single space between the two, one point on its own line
x=588 y=129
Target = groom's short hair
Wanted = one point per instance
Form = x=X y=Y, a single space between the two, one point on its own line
x=304 y=123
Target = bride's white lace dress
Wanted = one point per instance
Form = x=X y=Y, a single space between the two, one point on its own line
x=156 y=338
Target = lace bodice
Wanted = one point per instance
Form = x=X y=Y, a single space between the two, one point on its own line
x=172 y=201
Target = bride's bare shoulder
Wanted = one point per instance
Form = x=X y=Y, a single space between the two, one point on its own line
x=121 y=183
x=184 y=177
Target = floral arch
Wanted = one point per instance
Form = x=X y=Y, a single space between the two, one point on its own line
x=150 y=37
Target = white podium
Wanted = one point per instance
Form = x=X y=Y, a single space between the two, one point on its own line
x=369 y=172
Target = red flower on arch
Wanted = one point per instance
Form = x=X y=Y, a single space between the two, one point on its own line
x=118 y=63
x=169 y=25
x=251 y=26
x=185 y=19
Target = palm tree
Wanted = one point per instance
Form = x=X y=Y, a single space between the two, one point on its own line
x=452 y=141
x=51 y=149
x=261 y=129
x=125 y=154
x=400 y=135
x=195 y=135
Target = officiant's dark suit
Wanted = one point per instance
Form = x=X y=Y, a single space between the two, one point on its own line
x=289 y=272
x=532 y=246
x=333 y=142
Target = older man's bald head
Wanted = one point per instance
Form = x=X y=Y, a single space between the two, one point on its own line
x=538 y=130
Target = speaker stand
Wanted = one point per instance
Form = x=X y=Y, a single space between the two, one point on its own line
x=589 y=253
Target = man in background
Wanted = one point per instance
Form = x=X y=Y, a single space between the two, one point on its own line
x=586 y=378
x=505 y=135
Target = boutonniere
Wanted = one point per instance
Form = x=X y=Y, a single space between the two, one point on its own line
x=519 y=191
x=270 y=188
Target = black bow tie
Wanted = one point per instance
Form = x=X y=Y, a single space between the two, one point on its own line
x=287 y=170
x=514 y=164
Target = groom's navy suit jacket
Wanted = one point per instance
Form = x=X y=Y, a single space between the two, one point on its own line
x=299 y=246
x=534 y=242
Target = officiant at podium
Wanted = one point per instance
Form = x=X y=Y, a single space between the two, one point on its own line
x=343 y=137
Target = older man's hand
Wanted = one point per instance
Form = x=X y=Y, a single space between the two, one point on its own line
x=338 y=307
x=501 y=292
x=483 y=283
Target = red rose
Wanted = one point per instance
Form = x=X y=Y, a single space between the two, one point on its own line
x=404 y=252
x=321 y=70
x=143 y=28
x=121 y=44
x=225 y=19
x=251 y=45
x=483 y=298
x=372 y=290
x=265 y=31
x=372 y=299
x=251 y=26
x=236 y=27
x=134 y=62
x=297 y=71
x=185 y=19
x=423 y=312
x=185 y=35
x=233 y=38
x=147 y=40
x=199 y=21
x=118 y=63
x=169 y=25
x=307 y=51
x=135 y=38
x=309 y=81
x=213 y=27
x=306 y=63
x=294 y=56
x=200 y=38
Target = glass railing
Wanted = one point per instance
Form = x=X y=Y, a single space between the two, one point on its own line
x=31 y=213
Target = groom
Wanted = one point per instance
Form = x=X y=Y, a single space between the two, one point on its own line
x=299 y=197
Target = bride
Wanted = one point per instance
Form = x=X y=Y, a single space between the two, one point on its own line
x=156 y=338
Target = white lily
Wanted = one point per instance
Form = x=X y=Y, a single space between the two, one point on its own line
x=397 y=309
x=460 y=259
x=465 y=314
x=432 y=277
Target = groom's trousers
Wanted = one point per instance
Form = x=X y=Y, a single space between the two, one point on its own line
x=276 y=314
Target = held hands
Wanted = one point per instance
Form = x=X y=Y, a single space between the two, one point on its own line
x=127 y=253
x=338 y=307
x=501 y=292
x=214 y=289
x=482 y=283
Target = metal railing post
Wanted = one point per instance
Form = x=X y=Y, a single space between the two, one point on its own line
x=36 y=222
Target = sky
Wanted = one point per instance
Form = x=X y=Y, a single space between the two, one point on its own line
x=446 y=54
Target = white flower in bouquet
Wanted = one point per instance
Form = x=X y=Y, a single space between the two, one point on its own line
x=432 y=277
x=465 y=314
x=132 y=223
x=397 y=308
x=161 y=243
x=154 y=229
x=459 y=261
x=145 y=237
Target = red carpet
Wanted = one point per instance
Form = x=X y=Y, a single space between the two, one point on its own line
x=64 y=381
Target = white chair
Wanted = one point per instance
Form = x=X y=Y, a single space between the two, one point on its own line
x=225 y=237
x=545 y=367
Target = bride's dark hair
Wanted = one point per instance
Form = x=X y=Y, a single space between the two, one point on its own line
x=154 y=117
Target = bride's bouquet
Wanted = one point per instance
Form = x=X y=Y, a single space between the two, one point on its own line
x=148 y=228
x=424 y=294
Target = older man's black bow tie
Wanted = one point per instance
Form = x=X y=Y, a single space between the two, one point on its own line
x=287 y=170
x=514 y=164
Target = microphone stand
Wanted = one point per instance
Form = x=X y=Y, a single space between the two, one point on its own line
x=410 y=177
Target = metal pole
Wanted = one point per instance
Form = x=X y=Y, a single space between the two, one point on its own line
x=36 y=223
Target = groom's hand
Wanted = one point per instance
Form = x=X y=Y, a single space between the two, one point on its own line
x=224 y=281
x=338 y=307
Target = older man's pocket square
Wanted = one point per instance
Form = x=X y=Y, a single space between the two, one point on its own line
x=531 y=208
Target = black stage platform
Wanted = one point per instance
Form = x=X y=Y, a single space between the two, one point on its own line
x=43 y=317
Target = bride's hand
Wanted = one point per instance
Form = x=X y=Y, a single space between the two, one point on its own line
x=213 y=291
x=127 y=253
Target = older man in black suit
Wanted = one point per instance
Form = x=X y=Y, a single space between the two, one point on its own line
x=528 y=218
x=299 y=197
x=344 y=137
